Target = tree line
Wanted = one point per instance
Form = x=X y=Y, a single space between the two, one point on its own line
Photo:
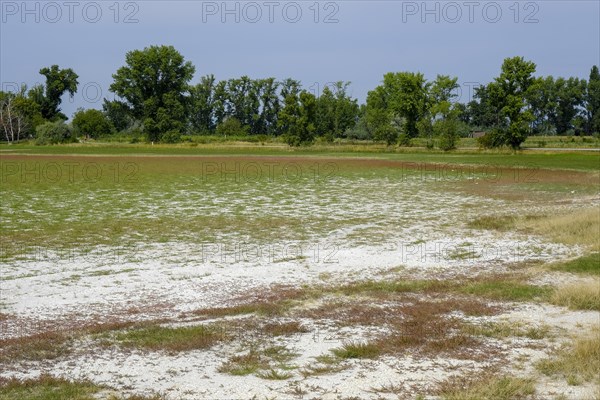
x=154 y=98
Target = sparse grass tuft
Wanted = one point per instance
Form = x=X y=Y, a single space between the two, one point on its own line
x=284 y=328
x=173 y=339
x=259 y=361
x=579 y=296
x=486 y=387
x=501 y=330
x=357 y=350
x=579 y=361
x=273 y=374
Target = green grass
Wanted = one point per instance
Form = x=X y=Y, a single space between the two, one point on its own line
x=508 y=290
x=265 y=361
x=357 y=350
x=47 y=387
x=586 y=265
x=173 y=339
x=564 y=160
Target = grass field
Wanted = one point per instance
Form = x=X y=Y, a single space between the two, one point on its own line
x=238 y=270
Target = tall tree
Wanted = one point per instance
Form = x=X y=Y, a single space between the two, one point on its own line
x=298 y=118
x=508 y=92
x=592 y=101
x=58 y=81
x=154 y=82
x=408 y=97
x=202 y=99
x=569 y=97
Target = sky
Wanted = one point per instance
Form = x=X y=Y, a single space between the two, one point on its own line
x=315 y=42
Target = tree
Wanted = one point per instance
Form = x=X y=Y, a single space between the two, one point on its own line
x=379 y=116
x=154 y=83
x=336 y=111
x=508 y=93
x=407 y=97
x=592 y=102
x=57 y=83
x=541 y=97
x=202 y=99
x=297 y=119
x=91 y=123
x=569 y=97
x=118 y=114
x=19 y=115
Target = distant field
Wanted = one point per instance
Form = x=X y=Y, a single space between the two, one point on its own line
x=248 y=270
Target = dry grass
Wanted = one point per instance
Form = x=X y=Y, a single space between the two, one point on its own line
x=284 y=328
x=486 y=386
x=581 y=227
x=579 y=361
x=41 y=346
x=505 y=329
x=579 y=296
x=266 y=362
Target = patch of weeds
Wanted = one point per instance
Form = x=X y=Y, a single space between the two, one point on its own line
x=273 y=374
x=589 y=264
x=500 y=330
x=47 y=387
x=325 y=364
x=579 y=361
x=284 y=328
x=485 y=386
x=173 y=339
x=493 y=222
x=260 y=360
x=41 y=346
x=501 y=288
x=357 y=350
x=579 y=296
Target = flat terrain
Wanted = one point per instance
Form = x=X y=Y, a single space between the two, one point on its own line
x=186 y=272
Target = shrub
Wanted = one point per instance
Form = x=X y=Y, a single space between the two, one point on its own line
x=171 y=137
x=231 y=127
x=492 y=139
x=53 y=133
x=91 y=123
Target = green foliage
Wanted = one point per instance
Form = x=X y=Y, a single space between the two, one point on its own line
x=53 y=133
x=589 y=264
x=232 y=127
x=91 y=123
x=171 y=137
x=19 y=115
x=57 y=83
x=298 y=118
x=118 y=114
x=592 y=102
x=336 y=111
x=154 y=83
x=407 y=97
x=492 y=139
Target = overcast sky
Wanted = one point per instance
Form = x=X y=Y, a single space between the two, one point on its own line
x=315 y=42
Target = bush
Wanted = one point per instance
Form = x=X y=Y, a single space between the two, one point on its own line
x=92 y=123
x=53 y=133
x=492 y=139
x=171 y=137
x=404 y=139
x=231 y=127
